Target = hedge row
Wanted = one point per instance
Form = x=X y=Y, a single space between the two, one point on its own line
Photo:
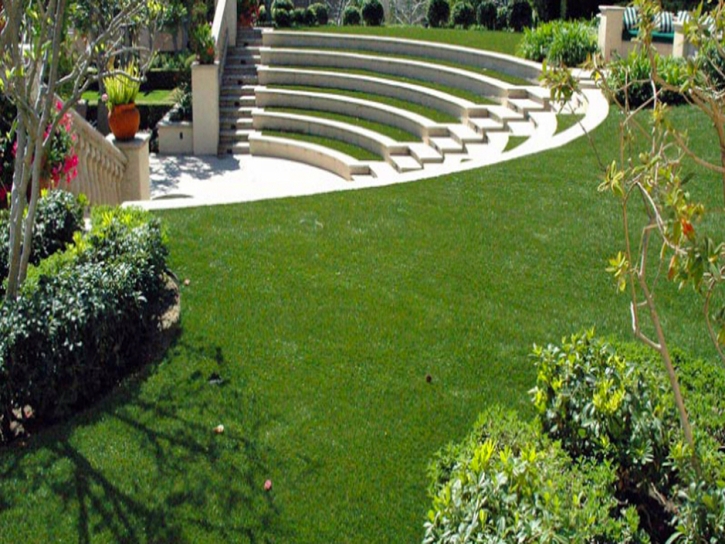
x=81 y=319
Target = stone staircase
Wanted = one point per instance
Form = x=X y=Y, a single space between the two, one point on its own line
x=236 y=100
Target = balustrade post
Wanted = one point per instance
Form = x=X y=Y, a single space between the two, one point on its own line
x=205 y=106
x=137 y=182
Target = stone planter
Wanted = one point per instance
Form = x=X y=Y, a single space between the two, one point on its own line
x=124 y=121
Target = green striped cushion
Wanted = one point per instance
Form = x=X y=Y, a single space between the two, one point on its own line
x=663 y=23
x=683 y=16
x=631 y=18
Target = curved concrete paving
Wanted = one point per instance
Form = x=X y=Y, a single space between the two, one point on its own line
x=183 y=181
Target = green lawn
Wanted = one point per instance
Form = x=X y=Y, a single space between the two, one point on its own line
x=492 y=40
x=151 y=98
x=354 y=151
x=322 y=316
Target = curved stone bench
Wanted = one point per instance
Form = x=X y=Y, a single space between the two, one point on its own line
x=410 y=122
x=484 y=86
x=499 y=62
x=402 y=156
x=315 y=155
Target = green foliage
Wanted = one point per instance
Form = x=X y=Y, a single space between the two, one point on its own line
x=566 y=43
x=373 y=13
x=285 y=5
x=463 y=15
x=629 y=79
x=508 y=483
x=298 y=17
x=282 y=18
x=351 y=16
x=439 y=12
x=520 y=16
x=614 y=405
x=321 y=13
x=202 y=43
x=80 y=320
x=59 y=217
x=123 y=87
x=486 y=14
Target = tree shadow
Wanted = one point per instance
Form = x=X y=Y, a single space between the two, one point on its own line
x=165 y=476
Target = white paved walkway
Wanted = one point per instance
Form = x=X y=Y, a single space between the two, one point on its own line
x=185 y=181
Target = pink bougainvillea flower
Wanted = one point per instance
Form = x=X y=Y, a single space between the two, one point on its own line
x=268 y=485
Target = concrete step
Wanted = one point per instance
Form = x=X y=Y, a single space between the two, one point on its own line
x=465 y=135
x=446 y=145
x=233 y=88
x=504 y=114
x=237 y=68
x=484 y=125
x=247 y=51
x=234 y=101
x=234 y=123
x=234 y=149
x=405 y=163
x=245 y=78
x=236 y=112
x=525 y=105
x=234 y=135
x=424 y=153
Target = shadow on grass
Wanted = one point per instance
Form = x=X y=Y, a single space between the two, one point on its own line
x=145 y=465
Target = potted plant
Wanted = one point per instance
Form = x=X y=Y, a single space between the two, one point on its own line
x=203 y=43
x=122 y=87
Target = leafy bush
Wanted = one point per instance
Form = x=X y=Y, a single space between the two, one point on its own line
x=58 y=217
x=508 y=483
x=282 y=18
x=502 y=16
x=285 y=5
x=559 y=42
x=463 y=15
x=351 y=16
x=373 y=13
x=322 y=15
x=615 y=405
x=439 y=11
x=81 y=318
x=486 y=14
x=520 y=16
x=629 y=78
x=298 y=17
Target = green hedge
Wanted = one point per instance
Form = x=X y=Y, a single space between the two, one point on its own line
x=567 y=43
x=82 y=318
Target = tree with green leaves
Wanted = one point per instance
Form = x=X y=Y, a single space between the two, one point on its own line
x=33 y=42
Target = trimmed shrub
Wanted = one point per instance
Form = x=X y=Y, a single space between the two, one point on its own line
x=502 y=16
x=486 y=14
x=80 y=321
x=520 y=16
x=568 y=43
x=322 y=15
x=373 y=13
x=463 y=15
x=285 y=5
x=508 y=483
x=282 y=18
x=615 y=405
x=351 y=16
x=262 y=13
x=439 y=12
x=629 y=81
x=58 y=217
x=298 y=17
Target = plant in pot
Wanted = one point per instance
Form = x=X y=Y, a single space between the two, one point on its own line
x=122 y=87
x=203 y=43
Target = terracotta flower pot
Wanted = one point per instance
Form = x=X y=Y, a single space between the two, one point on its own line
x=124 y=121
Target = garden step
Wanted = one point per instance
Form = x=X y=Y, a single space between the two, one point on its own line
x=484 y=125
x=446 y=145
x=232 y=88
x=541 y=95
x=234 y=135
x=231 y=123
x=504 y=114
x=464 y=134
x=424 y=153
x=238 y=101
x=235 y=149
x=242 y=60
x=521 y=128
x=251 y=51
x=404 y=163
x=245 y=78
x=234 y=67
x=525 y=105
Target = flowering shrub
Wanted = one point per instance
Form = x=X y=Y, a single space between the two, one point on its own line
x=61 y=161
x=203 y=43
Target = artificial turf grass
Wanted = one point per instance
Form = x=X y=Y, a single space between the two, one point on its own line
x=491 y=40
x=159 y=97
x=354 y=151
x=397 y=134
x=429 y=113
x=323 y=315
